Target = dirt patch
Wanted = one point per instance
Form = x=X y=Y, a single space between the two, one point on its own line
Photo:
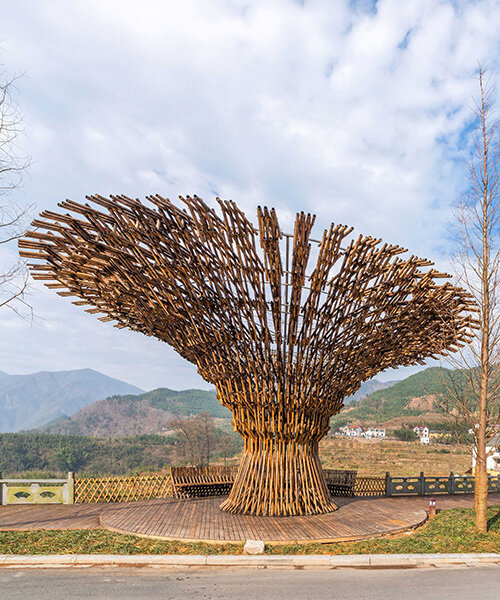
x=423 y=403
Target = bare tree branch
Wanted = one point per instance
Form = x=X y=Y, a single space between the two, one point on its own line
x=13 y=216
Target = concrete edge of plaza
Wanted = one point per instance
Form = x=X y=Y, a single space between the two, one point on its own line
x=361 y=561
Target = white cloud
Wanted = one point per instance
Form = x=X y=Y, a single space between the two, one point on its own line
x=344 y=109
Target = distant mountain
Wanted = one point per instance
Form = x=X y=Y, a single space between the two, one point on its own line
x=28 y=401
x=367 y=388
x=150 y=413
x=147 y=413
x=406 y=400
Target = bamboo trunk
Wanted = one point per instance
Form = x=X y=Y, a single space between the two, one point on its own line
x=279 y=477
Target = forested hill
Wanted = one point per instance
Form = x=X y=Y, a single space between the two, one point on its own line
x=411 y=397
x=130 y=415
x=28 y=401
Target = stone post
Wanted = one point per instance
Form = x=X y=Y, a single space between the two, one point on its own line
x=70 y=499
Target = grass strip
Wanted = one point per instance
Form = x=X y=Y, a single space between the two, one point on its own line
x=450 y=531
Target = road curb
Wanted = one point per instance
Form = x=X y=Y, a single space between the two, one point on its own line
x=316 y=561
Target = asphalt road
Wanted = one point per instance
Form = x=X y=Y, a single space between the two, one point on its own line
x=245 y=584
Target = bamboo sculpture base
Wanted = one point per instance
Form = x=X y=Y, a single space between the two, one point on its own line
x=279 y=478
x=282 y=338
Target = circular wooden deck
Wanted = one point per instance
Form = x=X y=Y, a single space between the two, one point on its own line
x=200 y=519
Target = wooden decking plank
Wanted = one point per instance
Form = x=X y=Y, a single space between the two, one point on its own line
x=201 y=518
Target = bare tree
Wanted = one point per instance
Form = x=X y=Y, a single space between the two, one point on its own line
x=13 y=276
x=198 y=438
x=187 y=440
x=207 y=436
x=471 y=393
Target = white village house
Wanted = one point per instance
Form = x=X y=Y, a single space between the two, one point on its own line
x=423 y=433
x=356 y=431
x=351 y=430
x=374 y=433
x=493 y=460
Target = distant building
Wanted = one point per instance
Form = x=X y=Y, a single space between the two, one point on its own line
x=423 y=433
x=374 y=433
x=493 y=460
x=351 y=430
x=421 y=430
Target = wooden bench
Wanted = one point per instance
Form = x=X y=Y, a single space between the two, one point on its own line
x=196 y=482
x=339 y=482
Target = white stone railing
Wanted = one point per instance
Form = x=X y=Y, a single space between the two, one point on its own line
x=37 y=491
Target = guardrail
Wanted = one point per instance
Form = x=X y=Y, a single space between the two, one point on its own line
x=422 y=485
x=37 y=491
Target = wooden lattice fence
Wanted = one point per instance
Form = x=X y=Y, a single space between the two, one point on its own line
x=122 y=489
x=369 y=486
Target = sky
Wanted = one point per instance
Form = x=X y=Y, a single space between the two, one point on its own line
x=358 y=112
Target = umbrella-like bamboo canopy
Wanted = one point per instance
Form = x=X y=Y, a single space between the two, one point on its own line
x=284 y=342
